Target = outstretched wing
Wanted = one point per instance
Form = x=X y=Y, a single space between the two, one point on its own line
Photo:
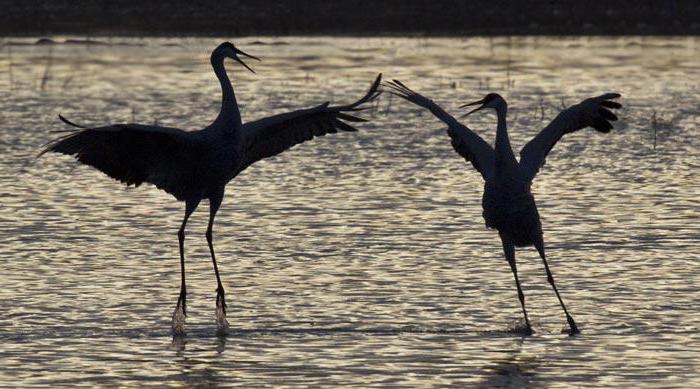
x=465 y=142
x=593 y=112
x=134 y=154
x=272 y=135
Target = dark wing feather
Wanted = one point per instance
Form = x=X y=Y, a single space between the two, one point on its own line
x=134 y=154
x=593 y=112
x=462 y=148
x=466 y=142
x=272 y=135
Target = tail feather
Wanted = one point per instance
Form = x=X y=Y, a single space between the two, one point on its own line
x=64 y=120
x=58 y=143
x=371 y=94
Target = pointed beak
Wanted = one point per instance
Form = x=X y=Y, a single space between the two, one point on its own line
x=245 y=55
x=471 y=104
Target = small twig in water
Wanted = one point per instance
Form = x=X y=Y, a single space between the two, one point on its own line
x=541 y=108
x=67 y=82
x=47 y=71
x=9 y=68
x=654 y=124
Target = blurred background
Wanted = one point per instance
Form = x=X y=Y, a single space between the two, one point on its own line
x=420 y=17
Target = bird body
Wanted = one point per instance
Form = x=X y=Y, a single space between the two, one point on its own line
x=510 y=208
x=197 y=165
x=508 y=203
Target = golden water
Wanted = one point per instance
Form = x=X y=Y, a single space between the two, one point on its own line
x=358 y=258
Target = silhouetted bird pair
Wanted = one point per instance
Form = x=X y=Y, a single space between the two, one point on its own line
x=197 y=165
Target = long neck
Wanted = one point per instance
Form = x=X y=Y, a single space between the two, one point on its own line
x=229 y=107
x=505 y=159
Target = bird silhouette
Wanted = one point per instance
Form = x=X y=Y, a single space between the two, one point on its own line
x=508 y=203
x=197 y=165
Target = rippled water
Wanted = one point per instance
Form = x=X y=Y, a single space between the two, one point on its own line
x=356 y=258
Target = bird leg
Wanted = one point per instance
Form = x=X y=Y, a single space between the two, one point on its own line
x=178 y=325
x=221 y=322
x=573 y=329
x=509 y=250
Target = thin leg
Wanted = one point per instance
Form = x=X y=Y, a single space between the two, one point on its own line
x=181 y=308
x=509 y=250
x=222 y=323
x=572 y=324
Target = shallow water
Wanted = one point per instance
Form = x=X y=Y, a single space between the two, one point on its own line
x=356 y=258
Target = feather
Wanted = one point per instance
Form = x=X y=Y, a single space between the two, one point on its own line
x=272 y=135
x=465 y=142
x=134 y=154
x=588 y=113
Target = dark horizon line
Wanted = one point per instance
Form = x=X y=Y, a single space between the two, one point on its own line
x=447 y=18
x=348 y=34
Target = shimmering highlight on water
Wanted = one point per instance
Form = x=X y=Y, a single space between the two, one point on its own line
x=356 y=258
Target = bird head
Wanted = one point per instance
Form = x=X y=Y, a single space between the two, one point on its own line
x=227 y=49
x=491 y=100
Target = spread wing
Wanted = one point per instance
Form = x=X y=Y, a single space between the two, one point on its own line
x=272 y=135
x=593 y=112
x=135 y=153
x=465 y=142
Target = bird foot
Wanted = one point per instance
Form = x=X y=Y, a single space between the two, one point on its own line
x=525 y=330
x=521 y=327
x=573 y=328
x=221 y=322
x=179 y=316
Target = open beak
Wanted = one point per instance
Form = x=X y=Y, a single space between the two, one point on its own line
x=245 y=55
x=473 y=110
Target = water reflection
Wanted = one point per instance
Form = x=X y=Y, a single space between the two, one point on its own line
x=357 y=259
x=178 y=344
x=221 y=344
x=516 y=370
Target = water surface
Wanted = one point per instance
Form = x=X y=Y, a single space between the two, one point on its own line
x=356 y=258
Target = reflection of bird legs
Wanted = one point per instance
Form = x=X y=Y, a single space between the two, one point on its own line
x=221 y=344
x=513 y=371
x=178 y=344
